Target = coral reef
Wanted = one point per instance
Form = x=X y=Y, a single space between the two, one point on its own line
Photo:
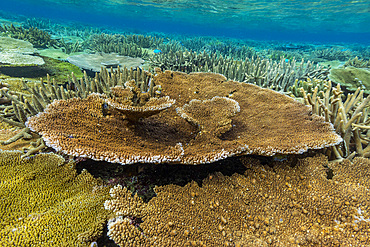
x=262 y=72
x=120 y=44
x=350 y=118
x=308 y=86
x=32 y=98
x=45 y=202
x=323 y=54
x=268 y=123
x=39 y=38
x=69 y=47
x=301 y=207
x=358 y=63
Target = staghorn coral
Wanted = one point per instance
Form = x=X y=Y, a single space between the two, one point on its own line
x=350 y=118
x=121 y=44
x=289 y=203
x=262 y=72
x=45 y=202
x=322 y=54
x=39 y=38
x=268 y=123
x=357 y=63
x=308 y=86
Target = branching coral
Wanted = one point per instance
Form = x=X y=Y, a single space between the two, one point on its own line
x=121 y=44
x=350 y=118
x=39 y=38
x=289 y=203
x=45 y=202
x=358 y=63
x=262 y=72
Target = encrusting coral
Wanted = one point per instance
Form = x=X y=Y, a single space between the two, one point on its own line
x=44 y=202
x=285 y=203
x=268 y=123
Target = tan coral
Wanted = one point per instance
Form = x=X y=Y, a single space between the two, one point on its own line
x=349 y=116
x=212 y=116
x=123 y=101
x=268 y=123
x=89 y=133
x=288 y=203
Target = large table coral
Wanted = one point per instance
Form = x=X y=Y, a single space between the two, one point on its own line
x=263 y=122
x=289 y=203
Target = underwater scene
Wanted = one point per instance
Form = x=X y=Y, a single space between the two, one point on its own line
x=184 y=123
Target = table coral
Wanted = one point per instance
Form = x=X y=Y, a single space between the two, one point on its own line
x=289 y=203
x=44 y=202
x=268 y=123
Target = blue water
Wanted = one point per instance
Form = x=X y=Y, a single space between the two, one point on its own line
x=321 y=21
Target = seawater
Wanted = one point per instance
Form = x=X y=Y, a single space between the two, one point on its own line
x=312 y=21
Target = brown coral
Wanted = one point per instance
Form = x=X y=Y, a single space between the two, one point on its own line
x=211 y=116
x=135 y=104
x=268 y=123
x=289 y=203
x=97 y=136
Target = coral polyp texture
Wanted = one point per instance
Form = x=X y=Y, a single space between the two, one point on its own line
x=289 y=203
x=244 y=118
x=211 y=116
x=45 y=202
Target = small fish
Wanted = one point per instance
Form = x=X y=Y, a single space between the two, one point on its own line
x=157 y=51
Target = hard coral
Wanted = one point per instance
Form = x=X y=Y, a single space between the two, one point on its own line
x=78 y=127
x=135 y=104
x=289 y=203
x=44 y=202
x=349 y=117
x=211 y=116
x=268 y=123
